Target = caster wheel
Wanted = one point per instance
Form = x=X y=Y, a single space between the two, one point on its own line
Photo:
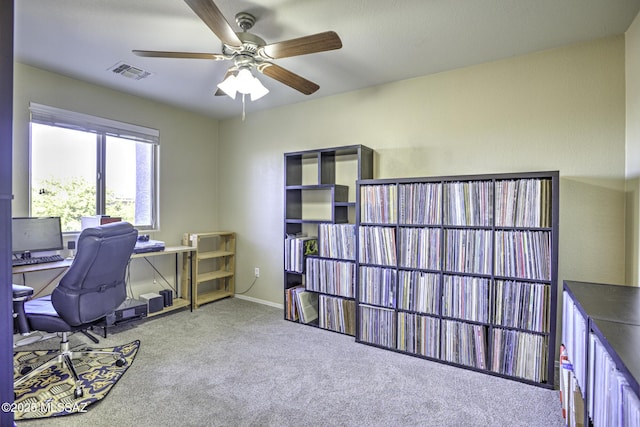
x=121 y=362
x=25 y=370
x=78 y=393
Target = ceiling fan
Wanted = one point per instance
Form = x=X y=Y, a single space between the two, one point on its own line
x=248 y=51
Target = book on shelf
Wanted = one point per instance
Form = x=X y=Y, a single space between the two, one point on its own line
x=577 y=406
x=418 y=334
x=307 y=304
x=297 y=248
x=331 y=276
x=570 y=393
x=291 y=307
x=519 y=354
x=419 y=248
x=523 y=203
x=378 y=326
x=522 y=305
x=378 y=204
x=377 y=286
x=468 y=251
x=612 y=400
x=574 y=338
x=523 y=254
x=377 y=245
x=464 y=343
x=468 y=203
x=419 y=291
x=466 y=297
x=420 y=203
x=337 y=314
x=337 y=241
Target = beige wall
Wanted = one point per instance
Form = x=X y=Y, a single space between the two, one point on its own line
x=632 y=46
x=562 y=109
x=189 y=200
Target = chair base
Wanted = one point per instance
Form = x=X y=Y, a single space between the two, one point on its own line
x=66 y=357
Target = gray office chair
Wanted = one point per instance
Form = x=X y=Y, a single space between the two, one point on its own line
x=92 y=288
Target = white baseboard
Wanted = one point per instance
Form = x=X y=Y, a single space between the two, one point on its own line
x=260 y=301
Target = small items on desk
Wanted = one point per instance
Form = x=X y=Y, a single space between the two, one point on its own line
x=167 y=295
x=29 y=260
x=96 y=220
x=155 y=302
x=145 y=244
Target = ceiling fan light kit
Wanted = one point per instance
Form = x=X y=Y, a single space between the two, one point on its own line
x=245 y=83
x=249 y=51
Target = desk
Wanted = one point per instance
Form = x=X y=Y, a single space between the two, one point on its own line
x=178 y=302
x=22 y=269
x=186 y=289
x=45 y=266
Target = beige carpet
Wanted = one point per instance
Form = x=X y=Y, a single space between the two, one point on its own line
x=238 y=363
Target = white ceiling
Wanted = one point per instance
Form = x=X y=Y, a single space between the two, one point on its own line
x=383 y=41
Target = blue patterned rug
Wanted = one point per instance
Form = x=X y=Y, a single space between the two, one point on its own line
x=51 y=393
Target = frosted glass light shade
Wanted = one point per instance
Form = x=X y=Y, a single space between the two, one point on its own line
x=245 y=83
x=228 y=86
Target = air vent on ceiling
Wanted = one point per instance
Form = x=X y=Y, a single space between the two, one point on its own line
x=129 y=71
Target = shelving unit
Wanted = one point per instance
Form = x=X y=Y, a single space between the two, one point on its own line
x=461 y=270
x=601 y=334
x=320 y=201
x=213 y=266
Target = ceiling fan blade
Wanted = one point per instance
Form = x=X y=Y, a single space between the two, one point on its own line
x=320 y=42
x=215 y=20
x=287 y=77
x=189 y=55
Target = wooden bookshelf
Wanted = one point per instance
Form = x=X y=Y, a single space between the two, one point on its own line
x=461 y=270
x=320 y=204
x=213 y=266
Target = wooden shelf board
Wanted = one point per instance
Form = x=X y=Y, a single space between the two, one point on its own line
x=212 y=234
x=212 y=296
x=178 y=303
x=214 y=254
x=213 y=275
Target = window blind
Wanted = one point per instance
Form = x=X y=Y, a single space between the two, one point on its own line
x=52 y=116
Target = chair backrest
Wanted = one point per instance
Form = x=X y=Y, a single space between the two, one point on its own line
x=94 y=286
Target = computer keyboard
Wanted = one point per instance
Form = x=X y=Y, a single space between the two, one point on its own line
x=35 y=260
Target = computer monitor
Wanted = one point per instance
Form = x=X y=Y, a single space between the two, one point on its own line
x=36 y=234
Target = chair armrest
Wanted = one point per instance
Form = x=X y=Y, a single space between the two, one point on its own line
x=20 y=292
x=20 y=295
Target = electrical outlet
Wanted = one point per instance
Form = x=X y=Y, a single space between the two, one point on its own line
x=256 y=272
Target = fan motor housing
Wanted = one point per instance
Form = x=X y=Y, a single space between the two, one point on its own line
x=245 y=20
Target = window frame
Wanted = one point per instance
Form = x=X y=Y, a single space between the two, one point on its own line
x=101 y=128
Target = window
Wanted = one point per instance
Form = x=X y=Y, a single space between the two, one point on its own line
x=84 y=166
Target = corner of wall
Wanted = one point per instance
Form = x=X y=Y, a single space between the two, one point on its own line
x=632 y=152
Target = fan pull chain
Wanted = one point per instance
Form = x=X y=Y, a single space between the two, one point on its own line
x=243 y=107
